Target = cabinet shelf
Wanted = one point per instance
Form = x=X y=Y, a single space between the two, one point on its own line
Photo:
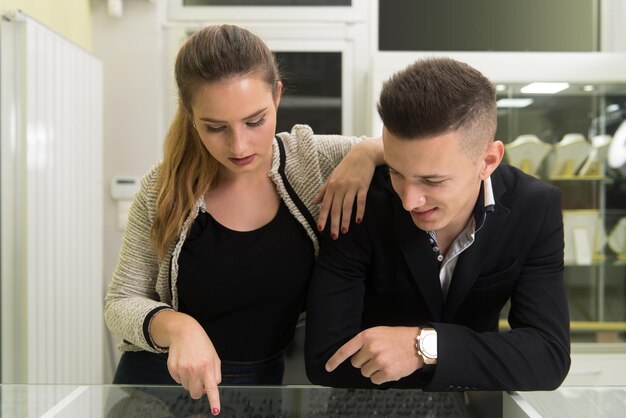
x=583 y=326
x=578 y=178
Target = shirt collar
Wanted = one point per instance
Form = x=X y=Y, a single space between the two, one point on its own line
x=485 y=204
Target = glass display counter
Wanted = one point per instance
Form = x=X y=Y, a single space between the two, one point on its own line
x=71 y=401
x=568 y=401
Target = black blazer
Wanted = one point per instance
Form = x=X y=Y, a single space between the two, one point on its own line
x=383 y=272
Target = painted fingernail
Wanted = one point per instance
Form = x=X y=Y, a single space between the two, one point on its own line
x=344 y=230
x=215 y=411
x=334 y=236
x=320 y=227
x=358 y=220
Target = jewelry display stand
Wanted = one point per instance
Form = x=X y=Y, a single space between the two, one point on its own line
x=617 y=239
x=594 y=164
x=617 y=151
x=584 y=236
x=527 y=152
x=569 y=154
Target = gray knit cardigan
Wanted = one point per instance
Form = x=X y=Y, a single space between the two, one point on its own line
x=142 y=286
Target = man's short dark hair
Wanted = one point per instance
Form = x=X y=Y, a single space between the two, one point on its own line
x=437 y=95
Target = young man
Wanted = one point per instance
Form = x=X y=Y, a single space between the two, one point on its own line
x=413 y=294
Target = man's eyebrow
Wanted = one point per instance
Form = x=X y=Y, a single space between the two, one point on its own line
x=421 y=176
x=255 y=114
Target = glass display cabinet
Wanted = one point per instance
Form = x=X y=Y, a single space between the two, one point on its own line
x=564 y=138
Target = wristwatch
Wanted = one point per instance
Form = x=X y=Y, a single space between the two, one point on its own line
x=426 y=345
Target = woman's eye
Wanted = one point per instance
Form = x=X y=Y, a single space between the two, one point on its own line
x=214 y=129
x=257 y=123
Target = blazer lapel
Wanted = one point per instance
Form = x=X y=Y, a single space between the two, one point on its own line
x=417 y=253
x=471 y=261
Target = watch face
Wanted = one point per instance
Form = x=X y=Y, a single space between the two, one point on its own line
x=428 y=345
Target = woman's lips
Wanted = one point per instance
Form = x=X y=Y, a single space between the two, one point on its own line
x=242 y=161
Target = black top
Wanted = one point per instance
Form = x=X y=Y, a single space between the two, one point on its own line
x=246 y=288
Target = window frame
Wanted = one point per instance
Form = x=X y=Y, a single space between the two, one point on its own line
x=357 y=12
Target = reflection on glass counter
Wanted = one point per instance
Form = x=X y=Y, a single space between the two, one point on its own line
x=100 y=401
x=575 y=402
x=238 y=402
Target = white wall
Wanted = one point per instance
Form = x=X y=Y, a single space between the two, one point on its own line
x=69 y=18
x=613 y=29
x=597 y=369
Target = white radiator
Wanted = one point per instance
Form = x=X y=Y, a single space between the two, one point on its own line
x=51 y=207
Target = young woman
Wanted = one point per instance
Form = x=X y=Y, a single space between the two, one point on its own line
x=222 y=237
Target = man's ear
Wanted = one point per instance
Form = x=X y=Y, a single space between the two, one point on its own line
x=492 y=158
